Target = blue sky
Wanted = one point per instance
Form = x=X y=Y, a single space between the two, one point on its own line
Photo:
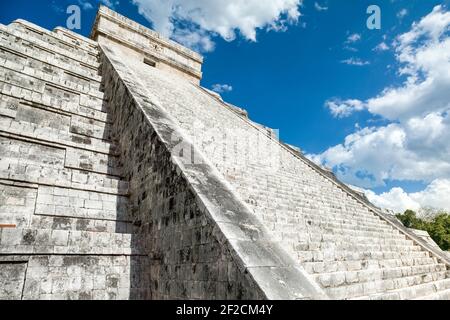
x=288 y=79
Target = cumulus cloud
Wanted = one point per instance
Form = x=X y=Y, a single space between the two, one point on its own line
x=355 y=62
x=345 y=108
x=396 y=200
x=402 y=13
x=225 y=18
x=415 y=144
x=221 y=88
x=424 y=56
x=435 y=195
x=350 y=48
x=381 y=47
x=355 y=37
x=198 y=40
x=418 y=150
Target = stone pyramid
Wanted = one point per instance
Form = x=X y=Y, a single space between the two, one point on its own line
x=122 y=178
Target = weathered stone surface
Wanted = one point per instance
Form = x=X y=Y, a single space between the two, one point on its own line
x=64 y=226
x=121 y=178
x=12 y=277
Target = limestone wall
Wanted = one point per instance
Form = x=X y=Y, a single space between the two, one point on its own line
x=65 y=231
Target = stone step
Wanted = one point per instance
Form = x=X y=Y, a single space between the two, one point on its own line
x=440 y=295
x=46 y=241
x=38 y=80
x=62 y=34
x=93 y=162
x=274 y=198
x=24 y=204
x=296 y=204
x=304 y=233
x=344 y=278
x=62 y=177
x=66 y=202
x=34 y=99
x=55 y=119
x=288 y=183
x=328 y=236
x=35 y=133
x=417 y=258
x=353 y=252
x=29 y=49
x=325 y=216
x=52 y=40
x=402 y=288
x=65 y=55
x=12 y=51
x=354 y=230
x=414 y=291
x=300 y=195
x=81 y=224
x=77 y=40
x=339 y=201
x=383 y=228
x=325 y=241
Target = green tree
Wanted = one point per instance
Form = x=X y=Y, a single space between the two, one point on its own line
x=438 y=227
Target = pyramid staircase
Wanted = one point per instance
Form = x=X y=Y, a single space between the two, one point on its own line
x=348 y=246
x=121 y=177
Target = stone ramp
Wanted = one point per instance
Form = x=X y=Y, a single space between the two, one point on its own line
x=65 y=228
x=348 y=249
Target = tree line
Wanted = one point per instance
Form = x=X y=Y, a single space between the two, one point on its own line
x=438 y=226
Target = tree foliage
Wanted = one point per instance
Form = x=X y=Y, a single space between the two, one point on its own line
x=438 y=226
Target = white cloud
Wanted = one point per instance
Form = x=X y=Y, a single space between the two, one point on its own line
x=318 y=7
x=402 y=13
x=350 y=48
x=355 y=37
x=85 y=4
x=355 y=62
x=91 y=4
x=396 y=199
x=198 y=40
x=225 y=18
x=435 y=195
x=348 y=45
x=221 y=88
x=424 y=56
x=381 y=47
x=417 y=150
x=345 y=108
x=110 y=3
x=415 y=144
